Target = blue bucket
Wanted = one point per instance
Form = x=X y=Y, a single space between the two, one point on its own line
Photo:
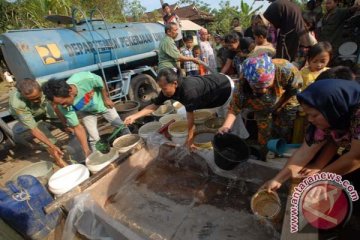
x=277 y=146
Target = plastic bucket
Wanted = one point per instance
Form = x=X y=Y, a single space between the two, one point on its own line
x=97 y=161
x=178 y=132
x=204 y=140
x=163 y=110
x=180 y=109
x=167 y=118
x=148 y=129
x=67 y=178
x=126 y=142
x=277 y=145
x=229 y=151
x=41 y=170
x=127 y=108
x=265 y=204
x=200 y=116
x=214 y=123
x=146 y=119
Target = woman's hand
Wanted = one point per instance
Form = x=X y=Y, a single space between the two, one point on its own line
x=271 y=185
x=309 y=170
x=130 y=120
x=223 y=130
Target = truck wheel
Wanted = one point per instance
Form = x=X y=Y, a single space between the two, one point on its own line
x=142 y=89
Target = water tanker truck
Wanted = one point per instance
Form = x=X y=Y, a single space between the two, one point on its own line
x=124 y=54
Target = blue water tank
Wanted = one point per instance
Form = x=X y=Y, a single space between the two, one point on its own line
x=41 y=52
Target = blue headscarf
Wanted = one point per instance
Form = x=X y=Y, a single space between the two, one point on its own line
x=334 y=98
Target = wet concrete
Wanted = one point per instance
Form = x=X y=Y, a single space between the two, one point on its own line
x=178 y=196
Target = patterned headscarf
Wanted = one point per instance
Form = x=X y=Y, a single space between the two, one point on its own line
x=259 y=71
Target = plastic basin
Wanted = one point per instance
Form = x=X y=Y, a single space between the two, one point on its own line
x=127 y=108
x=265 y=204
x=67 y=178
x=200 y=116
x=163 y=110
x=97 y=161
x=126 y=142
x=214 y=123
x=148 y=129
x=41 y=170
x=167 y=118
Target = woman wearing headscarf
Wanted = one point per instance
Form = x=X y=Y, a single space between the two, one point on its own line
x=268 y=88
x=286 y=16
x=333 y=111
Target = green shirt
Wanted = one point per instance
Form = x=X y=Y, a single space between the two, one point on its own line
x=168 y=53
x=88 y=99
x=27 y=112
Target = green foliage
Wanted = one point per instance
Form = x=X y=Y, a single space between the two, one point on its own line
x=201 y=5
x=226 y=12
x=31 y=13
x=223 y=17
x=135 y=10
x=246 y=12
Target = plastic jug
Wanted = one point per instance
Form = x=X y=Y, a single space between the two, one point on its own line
x=21 y=207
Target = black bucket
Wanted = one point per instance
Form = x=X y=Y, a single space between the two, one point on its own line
x=229 y=151
x=127 y=108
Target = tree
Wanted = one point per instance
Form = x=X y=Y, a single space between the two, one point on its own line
x=30 y=13
x=154 y=16
x=226 y=13
x=246 y=12
x=201 y=5
x=135 y=10
x=223 y=17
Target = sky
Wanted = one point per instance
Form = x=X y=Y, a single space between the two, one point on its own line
x=154 y=4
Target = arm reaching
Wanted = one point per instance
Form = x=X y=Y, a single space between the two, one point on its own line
x=145 y=111
x=81 y=136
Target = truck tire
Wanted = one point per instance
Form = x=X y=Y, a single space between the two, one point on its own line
x=142 y=89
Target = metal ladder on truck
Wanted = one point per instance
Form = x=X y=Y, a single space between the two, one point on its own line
x=119 y=90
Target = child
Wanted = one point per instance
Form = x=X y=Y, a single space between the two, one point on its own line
x=262 y=44
x=197 y=54
x=191 y=68
x=318 y=58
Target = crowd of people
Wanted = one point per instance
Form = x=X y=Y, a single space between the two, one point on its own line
x=283 y=65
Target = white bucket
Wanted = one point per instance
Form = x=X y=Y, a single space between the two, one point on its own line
x=180 y=109
x=178 y=132
x=167 y=118
x=67 y=178
x=125 y=143
x=163 y=110
x=97 y=161
x=148 y=129
x=200 y=116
